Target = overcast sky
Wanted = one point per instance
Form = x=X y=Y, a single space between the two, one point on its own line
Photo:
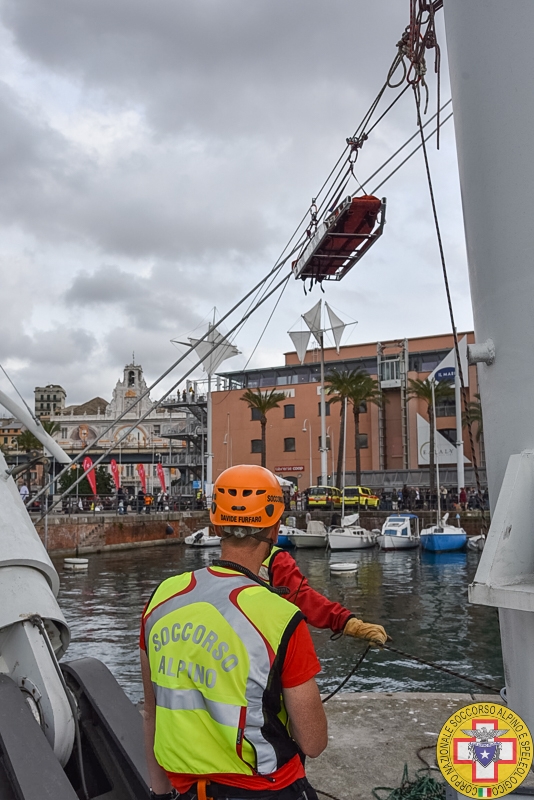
x=156 y=157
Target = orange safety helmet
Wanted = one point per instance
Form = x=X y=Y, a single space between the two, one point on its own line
x=246 y=499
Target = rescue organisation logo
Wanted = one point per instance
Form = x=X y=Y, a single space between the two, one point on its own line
x=484 y=750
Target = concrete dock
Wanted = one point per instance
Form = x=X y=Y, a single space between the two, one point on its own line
x=373 y=735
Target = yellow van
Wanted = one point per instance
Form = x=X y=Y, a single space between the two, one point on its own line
x=325 y=497
x=360 y=496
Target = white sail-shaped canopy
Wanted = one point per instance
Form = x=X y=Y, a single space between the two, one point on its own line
x=224 y=349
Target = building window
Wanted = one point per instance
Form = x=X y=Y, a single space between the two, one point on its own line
x=289 y=411
x=289 y=445
x=446 y=408
x=363 y=441
x=255 y=446
x=54 y=398
x=326 y=408
x=131 y=378
x=157 y=430
x=5 y=439
x=129 y=470
x=64 y=433
x=48 y=398
x=48 y=406
x=255 y=414
x=449 y=434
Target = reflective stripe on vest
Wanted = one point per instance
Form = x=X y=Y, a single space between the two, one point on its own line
x=264 y=572
x=212 y=589
x=194 y=700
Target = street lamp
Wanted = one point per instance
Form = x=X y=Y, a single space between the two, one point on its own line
x=331 y=440
x=304 y=431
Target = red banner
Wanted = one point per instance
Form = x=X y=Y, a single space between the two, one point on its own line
x=115 y=472
x=142 y=476
x=90 y=473
x=161 y=476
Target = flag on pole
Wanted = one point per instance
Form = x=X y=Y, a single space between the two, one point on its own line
x=142 y=476
x=89 y=471
x=161 y=476
x=115 y=473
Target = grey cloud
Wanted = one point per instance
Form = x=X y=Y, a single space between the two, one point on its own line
x=180 y=58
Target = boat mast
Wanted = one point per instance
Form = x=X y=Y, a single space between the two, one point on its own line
x=436 y=454
x=493 y=116
x=324 y=452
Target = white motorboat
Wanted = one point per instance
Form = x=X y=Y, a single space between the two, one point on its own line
x=399 y=532
x=202 y=538
x=313 y=536
x=351 y=537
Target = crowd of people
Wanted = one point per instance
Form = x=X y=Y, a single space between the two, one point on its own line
x=413 y=498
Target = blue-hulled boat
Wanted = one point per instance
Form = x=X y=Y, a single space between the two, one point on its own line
x=443 y=538
x=283 y=539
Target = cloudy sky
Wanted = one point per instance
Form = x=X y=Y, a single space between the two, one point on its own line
x=156 y=157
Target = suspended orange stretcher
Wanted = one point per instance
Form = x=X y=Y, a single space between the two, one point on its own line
x=342 y=239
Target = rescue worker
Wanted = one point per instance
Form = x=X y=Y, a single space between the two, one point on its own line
x=231 y=701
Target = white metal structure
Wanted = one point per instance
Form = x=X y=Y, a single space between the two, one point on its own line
x=399 y=532
x=497 y=183
x=29 y=585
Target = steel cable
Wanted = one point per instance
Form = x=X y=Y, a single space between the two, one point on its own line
x=154 y=405
x=450 y=307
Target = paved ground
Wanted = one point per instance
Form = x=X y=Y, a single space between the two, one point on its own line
x=372 y=736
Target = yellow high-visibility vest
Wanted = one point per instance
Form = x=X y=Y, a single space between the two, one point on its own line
x=216 y=642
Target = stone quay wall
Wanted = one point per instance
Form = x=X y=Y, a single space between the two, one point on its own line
x=77 y=535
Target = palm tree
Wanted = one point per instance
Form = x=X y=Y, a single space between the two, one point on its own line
x=358 y=388
x=26 y=441
x=422 y=390
x=364 y=390
x=264 y=402
x=474 y=409
x=339 y=389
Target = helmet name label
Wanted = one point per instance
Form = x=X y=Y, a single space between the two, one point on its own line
x=275 y=498
x=239 y=519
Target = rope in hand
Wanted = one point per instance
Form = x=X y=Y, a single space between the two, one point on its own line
x=419 y=660
x=349 y=676
x=441 y=669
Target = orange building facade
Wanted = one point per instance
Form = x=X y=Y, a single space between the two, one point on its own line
x=392 y=437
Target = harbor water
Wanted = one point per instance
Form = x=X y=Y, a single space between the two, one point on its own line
x=420 y=598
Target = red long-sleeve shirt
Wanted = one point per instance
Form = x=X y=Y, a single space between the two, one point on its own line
x=318 y=610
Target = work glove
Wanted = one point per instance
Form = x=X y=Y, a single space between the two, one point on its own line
x=365 y=630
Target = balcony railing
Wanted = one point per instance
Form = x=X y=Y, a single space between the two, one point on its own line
x=182 y=460
x=183 y=428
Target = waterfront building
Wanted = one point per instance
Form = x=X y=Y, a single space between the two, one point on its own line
x=49 y=400
x=145 y=444
x=10 y=430
x=394 y=438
